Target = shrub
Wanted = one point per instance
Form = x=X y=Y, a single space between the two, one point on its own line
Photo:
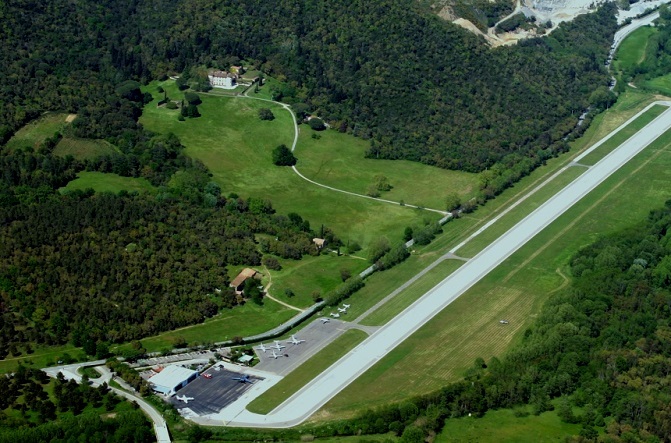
x=317 y=124
x=271 y=263
x=266 y=114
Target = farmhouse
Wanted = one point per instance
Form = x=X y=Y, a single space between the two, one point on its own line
x=223 y=79
x=171 y=379
x=238 y=282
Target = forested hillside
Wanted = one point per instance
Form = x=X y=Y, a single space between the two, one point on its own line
x=418 y=87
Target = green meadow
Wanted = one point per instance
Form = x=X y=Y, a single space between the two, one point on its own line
x=34 y=133
x=108 y=182
x=231 y=140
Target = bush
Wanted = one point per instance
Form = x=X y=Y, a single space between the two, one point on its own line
x=317 y=124
x=192 y=98
x=171 y=105
x=271 y=262
x=266 y=114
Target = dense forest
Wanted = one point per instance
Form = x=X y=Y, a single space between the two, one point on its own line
x=120 y=267
x=601 y=349
x=418 y=87
x=72 y=412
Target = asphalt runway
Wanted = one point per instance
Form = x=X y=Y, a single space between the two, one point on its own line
x=211 y=395
x=326 y=385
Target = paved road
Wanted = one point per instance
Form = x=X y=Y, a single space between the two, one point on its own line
x=325 y=386
x=71 y=372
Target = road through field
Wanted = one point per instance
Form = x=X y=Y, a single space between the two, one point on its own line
x=325 y=386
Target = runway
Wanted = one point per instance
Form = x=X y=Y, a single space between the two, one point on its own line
x=325 y=386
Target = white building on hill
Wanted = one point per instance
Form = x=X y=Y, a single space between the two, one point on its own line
x=223 y=79
x=171 y=379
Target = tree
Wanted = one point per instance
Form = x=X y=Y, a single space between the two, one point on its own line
x=345 y=274
x=192 y=98
x=452 y=201
x=381 y=183
x=317 y=124
x=378 y=248
x=282 y=156
x=407 y=234
x=252 y=291
x=266 y=114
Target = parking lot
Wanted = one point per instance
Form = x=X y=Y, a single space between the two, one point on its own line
x=213 y=394
x=316 y=335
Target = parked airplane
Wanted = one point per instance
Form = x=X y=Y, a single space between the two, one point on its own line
x=342 y=310
x=295 y=341
x=207 y=376
x=334 y=315
x=346 y=306
x=184 y=398
x=275 y=355
x=325 y=320
x=503 y=322
x=262 y=347
x=243 y=379
x=278 y=346
x=217 y=368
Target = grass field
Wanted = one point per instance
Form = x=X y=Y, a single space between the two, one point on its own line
x=306 y=372
x=337 y=160
x=236 y=145
x=40 y=358
x=35 y=132
x=502 y=426
x=83 y=149
x=631 y=51
x=659 y=84
x=469 y=328
x=104 y=182
x=241 y=321
x=310 y=274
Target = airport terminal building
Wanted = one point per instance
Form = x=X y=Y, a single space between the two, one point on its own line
x=171 y=379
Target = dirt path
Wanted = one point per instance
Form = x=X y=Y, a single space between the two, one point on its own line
x=270 y=283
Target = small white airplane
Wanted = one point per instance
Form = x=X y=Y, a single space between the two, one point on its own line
x=334 y=315
x=325 y=320
x=275 y=356
x=184 y=398
x=503 y=322
x=262 y=347
x=346 y=306
x=217 y=368
x=277 y=346
x=342 y=310
x=295 y=341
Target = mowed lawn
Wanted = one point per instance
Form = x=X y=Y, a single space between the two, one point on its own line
x=303 y=277
x=337 y=160
x=469 y=328
x=236 y=146
x=34 y=133
x=107 y=182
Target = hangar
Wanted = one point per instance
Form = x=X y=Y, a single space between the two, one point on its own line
x=171 y=379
